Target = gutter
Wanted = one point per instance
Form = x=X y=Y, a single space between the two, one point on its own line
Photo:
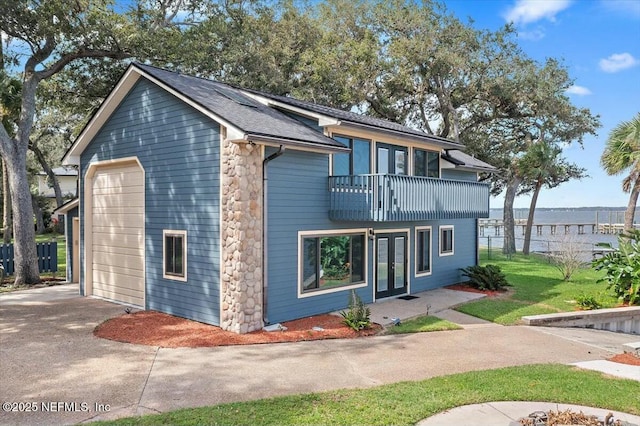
x=265 y=250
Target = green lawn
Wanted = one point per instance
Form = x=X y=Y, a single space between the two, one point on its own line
x=62 y=260
x=406 y=403
x=538 y=288
x=62 y=251
x=422 y=324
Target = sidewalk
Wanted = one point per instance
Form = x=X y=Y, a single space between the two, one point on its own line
x=46 y=344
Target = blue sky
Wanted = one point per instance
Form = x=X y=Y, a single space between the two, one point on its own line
x=599 y=42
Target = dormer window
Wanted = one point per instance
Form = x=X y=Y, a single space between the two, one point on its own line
x=357 y=162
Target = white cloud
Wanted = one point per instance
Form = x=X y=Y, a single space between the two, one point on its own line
x=534 y=35
x=526 y=11
x=578 y=90
x=618 y=62
x=627 y=7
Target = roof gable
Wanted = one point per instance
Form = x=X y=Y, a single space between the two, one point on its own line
x=245 y=118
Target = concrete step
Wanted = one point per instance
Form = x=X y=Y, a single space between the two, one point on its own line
x=622 y=320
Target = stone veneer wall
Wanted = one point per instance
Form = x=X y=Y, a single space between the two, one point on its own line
x=241 y=245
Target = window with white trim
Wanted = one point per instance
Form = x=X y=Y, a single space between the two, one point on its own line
x=174 y=259
x=332 y=261
x=423 y=251
x=446 y=240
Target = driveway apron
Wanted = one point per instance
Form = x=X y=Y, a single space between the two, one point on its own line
x=52 y=364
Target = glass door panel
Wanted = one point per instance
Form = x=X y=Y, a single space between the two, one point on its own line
x=400 y=166
x=392 y=159
x=383 y=160
x=391 y=264
x=399 y=262
x=383 y=265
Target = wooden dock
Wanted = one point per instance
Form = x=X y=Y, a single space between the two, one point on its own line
x=582 y=228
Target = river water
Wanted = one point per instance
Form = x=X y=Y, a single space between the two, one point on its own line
x=546 y=241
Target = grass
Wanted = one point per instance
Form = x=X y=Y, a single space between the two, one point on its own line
x=538 y=288
x=422 y=324
x=406 y=403
x=62 y=262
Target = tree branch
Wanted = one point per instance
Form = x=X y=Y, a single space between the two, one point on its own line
x=80 y=54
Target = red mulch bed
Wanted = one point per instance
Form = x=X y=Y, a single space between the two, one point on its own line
x=626 y=358
x=158 y=329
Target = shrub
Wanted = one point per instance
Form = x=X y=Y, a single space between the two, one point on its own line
x=588 y=302
x=488 y=277
x=622 y=267
x=567 y=255
x=358 y=315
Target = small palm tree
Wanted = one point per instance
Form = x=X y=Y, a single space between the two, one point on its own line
x=622 y=154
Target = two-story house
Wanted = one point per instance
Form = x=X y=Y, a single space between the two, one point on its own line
x=238 y=208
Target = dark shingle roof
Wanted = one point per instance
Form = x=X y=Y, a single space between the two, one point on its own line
x=464 y=160
x=240 y=110
x=359 y=119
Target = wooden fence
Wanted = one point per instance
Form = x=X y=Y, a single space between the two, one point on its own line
x=47 y=257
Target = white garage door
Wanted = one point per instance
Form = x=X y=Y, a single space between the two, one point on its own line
x=117 y=241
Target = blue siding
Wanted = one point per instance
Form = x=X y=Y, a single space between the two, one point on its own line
x=459 y=175
x=179 y=151
x=299 y=201
x=68 y=234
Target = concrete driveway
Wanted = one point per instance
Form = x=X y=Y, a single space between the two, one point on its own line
x=52 y=365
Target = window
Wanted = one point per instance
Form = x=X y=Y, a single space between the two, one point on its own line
x=392 y=159
x=423 y=251
x=331 y=262
x=357 y=162
x=426 y=163
x=174 y=247
x=446 y=240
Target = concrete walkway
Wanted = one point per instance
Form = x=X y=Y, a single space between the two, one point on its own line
x=50 y=359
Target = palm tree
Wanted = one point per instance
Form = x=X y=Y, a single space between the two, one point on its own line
x=622 y=154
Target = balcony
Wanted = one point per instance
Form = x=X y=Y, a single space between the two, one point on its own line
x=394 y=198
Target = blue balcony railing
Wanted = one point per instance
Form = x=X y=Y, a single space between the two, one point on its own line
x=393 y=198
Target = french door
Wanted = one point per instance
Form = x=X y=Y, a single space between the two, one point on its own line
x=391 y=264
x=392 y=159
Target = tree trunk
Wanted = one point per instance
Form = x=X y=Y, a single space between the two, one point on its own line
x=532 y=210
x=26 y=259
x=39 y=216
x=631 y=207
x=7 y=223
x=50 y=175
x=509 y=246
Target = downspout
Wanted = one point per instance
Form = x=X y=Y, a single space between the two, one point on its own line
x=265 y=251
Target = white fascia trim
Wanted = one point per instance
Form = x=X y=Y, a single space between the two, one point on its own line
x=323 y=120
x=109 y=105
x=65 y=208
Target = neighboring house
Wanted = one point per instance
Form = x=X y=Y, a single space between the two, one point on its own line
x=67 y=179
x=240 y=209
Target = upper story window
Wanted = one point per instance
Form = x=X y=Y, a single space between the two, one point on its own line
x=392 y=159
x=357 y=162
x=426 y=163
